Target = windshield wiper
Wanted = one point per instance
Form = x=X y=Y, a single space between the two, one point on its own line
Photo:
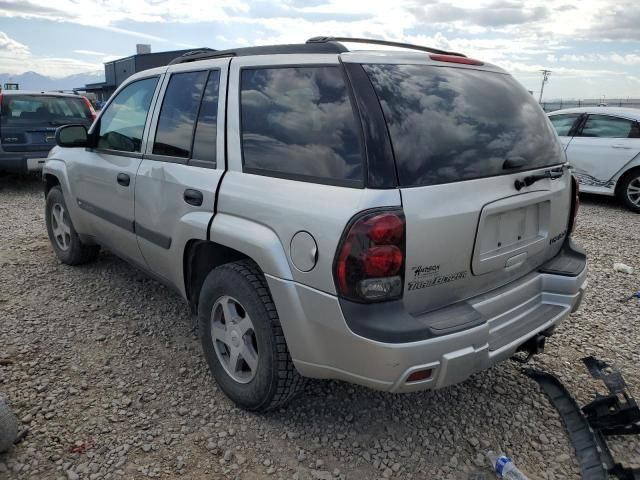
x=553 y=174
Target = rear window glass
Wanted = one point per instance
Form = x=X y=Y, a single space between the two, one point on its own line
x=452 y=124
x=298 y=122
x=43 y=110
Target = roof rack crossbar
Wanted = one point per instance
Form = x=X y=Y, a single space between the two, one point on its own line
x=383 y=42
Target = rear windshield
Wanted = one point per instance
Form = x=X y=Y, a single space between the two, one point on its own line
x=452 y=124
x=19 y=110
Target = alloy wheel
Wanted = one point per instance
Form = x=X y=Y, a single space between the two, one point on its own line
x=234 y=339
x=60 y=226
x=633 y=191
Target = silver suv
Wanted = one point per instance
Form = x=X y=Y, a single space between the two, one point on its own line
x=395 y=219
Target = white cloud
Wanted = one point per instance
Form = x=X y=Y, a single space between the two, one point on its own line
x=16 y=58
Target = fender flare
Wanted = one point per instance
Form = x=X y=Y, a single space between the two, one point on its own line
x=255 y=240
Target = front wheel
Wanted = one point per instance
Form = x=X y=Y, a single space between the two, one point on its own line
x=242 y=338
x=63 y=236
x=629 y=191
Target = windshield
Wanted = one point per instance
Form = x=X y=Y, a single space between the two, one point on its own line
x=17 y=110
x=452 y=124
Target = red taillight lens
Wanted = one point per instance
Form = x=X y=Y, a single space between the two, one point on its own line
x=369 y=264
x=455 y=59
x=575 y=204
x=90 y=107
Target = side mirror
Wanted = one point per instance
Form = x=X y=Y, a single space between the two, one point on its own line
x=71 y=136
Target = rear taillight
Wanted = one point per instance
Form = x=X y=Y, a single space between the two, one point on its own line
x=369 y=264
x=90 y=107
x=455 y=59
x=575 y=204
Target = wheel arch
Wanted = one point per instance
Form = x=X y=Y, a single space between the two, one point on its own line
x=633 y=169
x=231 y=239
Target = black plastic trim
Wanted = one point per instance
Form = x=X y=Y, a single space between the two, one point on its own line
x=381 y=170
x=373 y=320
x=569 y=262
x=154 y=237
x=584 y=440
x=389 y=322
x=107 y=215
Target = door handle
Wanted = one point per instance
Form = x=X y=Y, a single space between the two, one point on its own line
x=124 y=179
x=193 y=197
x=622 y=147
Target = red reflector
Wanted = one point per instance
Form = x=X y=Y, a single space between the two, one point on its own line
x=382 y=261
x=456 y=59
x=419 y=375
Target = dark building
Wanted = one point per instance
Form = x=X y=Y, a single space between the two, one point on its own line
x=118 y=71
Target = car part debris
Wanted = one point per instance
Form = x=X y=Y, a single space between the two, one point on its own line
x=8 y=427
x=621 y=267
x=613 y=414
x=631 y=297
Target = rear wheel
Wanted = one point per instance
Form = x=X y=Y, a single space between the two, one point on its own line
x=63 y=236
x=242 y=338
x=629 y=190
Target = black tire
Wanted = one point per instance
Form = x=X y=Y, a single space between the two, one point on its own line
x=632 y=176
x=276 y=380
x=76 y=252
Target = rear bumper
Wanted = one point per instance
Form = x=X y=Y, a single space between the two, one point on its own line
x=323 y=346
x=22 y=162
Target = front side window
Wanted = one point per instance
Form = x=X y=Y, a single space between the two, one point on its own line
x=298 y=122
x=607 y=127
x=563 y=123
x=178 y=114
x=453 y=124
x=122 y=123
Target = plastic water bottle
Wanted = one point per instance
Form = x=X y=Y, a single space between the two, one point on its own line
x=504 y=467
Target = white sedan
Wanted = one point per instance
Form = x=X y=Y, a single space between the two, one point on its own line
x=603 y=146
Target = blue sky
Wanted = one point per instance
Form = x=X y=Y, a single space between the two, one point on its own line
x=591 y=46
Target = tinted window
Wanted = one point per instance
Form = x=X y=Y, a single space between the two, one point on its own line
x=610 y=127
x=299 y=122
x=563 y=123
x=43 y=110
x=204 y=143
x=122 y=123
x=452 y=124
x=178 y=114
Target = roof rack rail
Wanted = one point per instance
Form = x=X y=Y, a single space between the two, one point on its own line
x=320 y=40
x=201 y=54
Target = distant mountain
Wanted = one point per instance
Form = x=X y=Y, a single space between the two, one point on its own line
x=36 y=81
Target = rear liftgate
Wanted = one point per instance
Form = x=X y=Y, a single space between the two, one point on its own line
x=613 y=414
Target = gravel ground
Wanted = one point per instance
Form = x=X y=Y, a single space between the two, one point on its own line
x=102 y=366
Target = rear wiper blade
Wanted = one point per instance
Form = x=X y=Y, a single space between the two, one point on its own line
x=531 y=179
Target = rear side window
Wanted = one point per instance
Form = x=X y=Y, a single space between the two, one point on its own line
x=298 y=122
x=25 y=110
x=452 y=124
x=178 y=114
x=607 y=127
x=563 y=123
x=204 y=143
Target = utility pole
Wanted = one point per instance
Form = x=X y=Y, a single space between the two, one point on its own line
x=545 y=79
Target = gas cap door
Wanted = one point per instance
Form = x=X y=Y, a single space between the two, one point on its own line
x=304 y=251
